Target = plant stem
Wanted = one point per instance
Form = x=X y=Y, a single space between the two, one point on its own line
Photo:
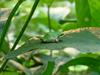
x=22 y=31
x=49 y=21
x=49 y=25
x=26 y=24
x=51 y=53
x=8 y=22
x=48 y=13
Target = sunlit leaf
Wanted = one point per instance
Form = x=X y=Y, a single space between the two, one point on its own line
x=89 y=61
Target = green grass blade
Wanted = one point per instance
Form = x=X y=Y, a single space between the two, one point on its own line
x=7 y=25
x=26 y=24
x=22 y=31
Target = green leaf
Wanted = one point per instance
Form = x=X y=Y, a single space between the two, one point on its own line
x=44 y=20
x=7 y=3
x=9 y=73
x=76 y=40
x=95 y=11
x=87 y=12
x=71 y=1
x=48 y=2
x=72 y=26
x=93 y=63
x=5 y=47
x=45 y=58
x=83 y=12
x=49 y=68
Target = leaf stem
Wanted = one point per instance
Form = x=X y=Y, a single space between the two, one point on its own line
x=22 y=31
x=49 y=21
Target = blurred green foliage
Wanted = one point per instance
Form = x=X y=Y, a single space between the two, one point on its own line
x=34 y=57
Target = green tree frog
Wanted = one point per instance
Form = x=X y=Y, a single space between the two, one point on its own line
x=51 y=37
